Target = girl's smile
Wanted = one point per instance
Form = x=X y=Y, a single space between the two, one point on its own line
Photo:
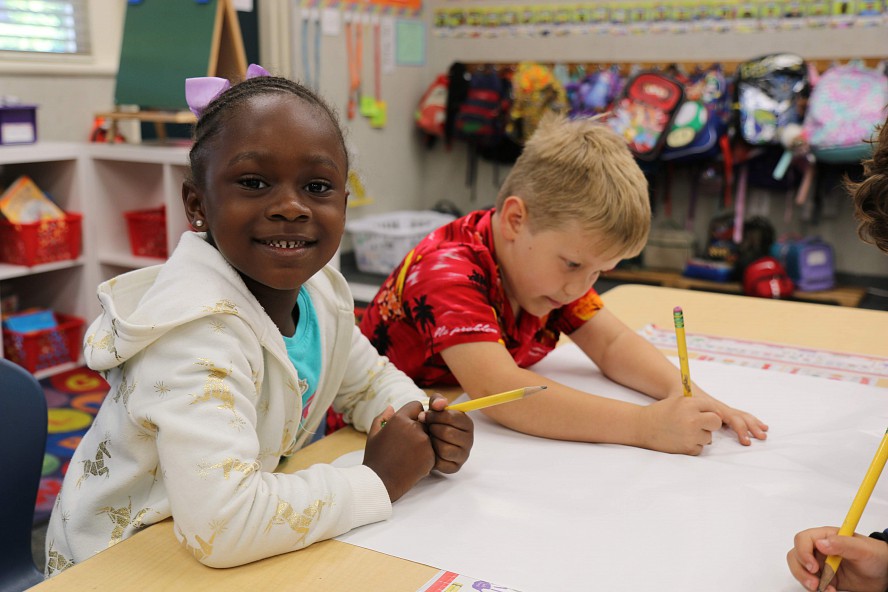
x=294 y=245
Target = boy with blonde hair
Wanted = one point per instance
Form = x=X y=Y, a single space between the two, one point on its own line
x=481 y=299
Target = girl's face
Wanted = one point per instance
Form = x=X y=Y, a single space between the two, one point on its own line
x=274 y=196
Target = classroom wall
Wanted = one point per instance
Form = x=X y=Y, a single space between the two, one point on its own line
x=443 y=172
x=398 y=171
x=388 y=160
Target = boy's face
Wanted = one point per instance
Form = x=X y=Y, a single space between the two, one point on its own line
x=275 y=191
x=547 y=269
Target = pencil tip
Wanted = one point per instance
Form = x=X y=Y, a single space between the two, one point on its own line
x=532 y=390
x=826 y=577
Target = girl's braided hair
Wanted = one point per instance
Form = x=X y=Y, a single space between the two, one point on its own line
x=221 y=108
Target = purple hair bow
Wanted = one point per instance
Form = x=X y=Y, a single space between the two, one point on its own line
x=200 y=92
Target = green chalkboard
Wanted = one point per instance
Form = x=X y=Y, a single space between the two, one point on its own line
x=164 y=42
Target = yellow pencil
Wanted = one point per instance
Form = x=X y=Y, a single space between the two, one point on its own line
x=831 y=566
x=678 y=317
x=488 y=401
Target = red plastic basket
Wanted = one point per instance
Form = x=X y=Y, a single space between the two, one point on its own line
x=45 y=348
x=33 y=243
x=147 y=232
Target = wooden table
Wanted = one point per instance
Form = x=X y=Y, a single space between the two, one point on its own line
x=802 y=324
x=153 y=560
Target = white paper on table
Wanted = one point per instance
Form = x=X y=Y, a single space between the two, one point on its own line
x=543 y=515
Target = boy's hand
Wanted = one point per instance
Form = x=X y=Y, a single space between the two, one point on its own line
x=401 y=453
x=452 y=434
x=741 y=422
x=681 y=425
x=864 y=565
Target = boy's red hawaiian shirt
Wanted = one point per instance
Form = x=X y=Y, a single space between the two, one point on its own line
x=448 y=291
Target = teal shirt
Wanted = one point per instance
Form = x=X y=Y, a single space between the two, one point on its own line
x=304 y=351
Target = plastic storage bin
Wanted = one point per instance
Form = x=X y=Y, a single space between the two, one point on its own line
x=382 y=241
x=45 y=348
x=18 y=124
x=147 y=232
x=668 y=247
x=33 y=243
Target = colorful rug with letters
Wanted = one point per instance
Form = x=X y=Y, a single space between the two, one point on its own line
x=73 y=398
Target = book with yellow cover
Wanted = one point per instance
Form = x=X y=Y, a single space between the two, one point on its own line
x=24 y=202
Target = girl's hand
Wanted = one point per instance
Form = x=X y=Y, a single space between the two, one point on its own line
x=380 y=421
x=400 y=453
x=452 y=434
x=803 y=559
x=864 y=565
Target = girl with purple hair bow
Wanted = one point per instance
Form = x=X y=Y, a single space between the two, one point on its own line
x=224 y=360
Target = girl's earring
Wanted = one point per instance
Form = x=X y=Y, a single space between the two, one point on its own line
x=198 y=223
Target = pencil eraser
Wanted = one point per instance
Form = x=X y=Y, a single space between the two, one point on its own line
x=676 y=309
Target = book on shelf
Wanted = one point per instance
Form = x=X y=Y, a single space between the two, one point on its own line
x=24 y=202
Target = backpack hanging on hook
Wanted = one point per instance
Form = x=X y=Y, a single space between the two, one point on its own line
x=480 y=119
x=645 y=111
x=702 y=120
x=771 y=93
x=431 y=112
x=457 y=89
x=847 y=105
x=535 y=91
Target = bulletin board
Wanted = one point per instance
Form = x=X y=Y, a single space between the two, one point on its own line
x=166 y=41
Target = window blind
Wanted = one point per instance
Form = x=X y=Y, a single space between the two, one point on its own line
x=44 y=26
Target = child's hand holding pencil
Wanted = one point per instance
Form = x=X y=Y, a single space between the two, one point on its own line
x=401 y=453
x=451 y=432
x=864 y=565
x=743 y=423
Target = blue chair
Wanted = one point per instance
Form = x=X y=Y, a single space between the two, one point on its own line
x=23 y=442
